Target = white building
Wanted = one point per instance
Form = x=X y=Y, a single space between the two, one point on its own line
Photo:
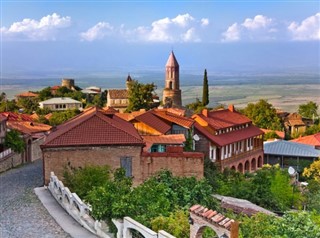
x=61 y=104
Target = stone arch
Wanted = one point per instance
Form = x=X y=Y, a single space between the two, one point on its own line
x=240 y=168
x=201 y=230
x=260 y=162
x=201 y=217
x=133 y=229
x=233 y=168
x=247 y=166
x=253 y=164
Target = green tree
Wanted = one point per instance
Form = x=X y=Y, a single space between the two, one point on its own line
x=270 y=135
x=176 y=224
x=308 y=110
x=196 y=106
x=28 y=104
x=45 y=94
x=58 y=118
x=263 y=115
x=14 y=141
x=8 y=106
x=205 y=92
x=313 y=171
x=83 y=180
x=140 y=96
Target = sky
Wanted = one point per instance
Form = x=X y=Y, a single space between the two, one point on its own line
x=76 y=37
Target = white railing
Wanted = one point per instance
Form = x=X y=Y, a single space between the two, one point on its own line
x=5 y=153
x=81 y=213
x=76 y=208
x=126 y=225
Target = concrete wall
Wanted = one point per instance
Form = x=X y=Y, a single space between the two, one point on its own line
x=10 y=161
x=58 y=159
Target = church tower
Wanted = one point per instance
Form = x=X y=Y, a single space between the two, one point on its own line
x=172 y=92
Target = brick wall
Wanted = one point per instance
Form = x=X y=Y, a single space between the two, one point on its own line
x=178 y=162
x=57 y=159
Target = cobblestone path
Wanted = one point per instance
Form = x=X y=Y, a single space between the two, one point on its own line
x=21 y=212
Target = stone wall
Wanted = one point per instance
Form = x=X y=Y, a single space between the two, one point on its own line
x=10 y=161
x=178 y=162
x=58 y=159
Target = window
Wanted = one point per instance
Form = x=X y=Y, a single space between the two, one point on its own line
x=126 y=164
x=170 y=85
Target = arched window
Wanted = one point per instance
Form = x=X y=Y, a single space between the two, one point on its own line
x=170 y=85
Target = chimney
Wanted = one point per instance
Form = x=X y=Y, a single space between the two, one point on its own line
x=205 y=112
x=231 y=108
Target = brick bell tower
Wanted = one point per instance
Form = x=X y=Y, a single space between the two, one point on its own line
x=171 y=91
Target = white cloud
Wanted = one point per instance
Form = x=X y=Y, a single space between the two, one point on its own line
x=183 y=20
x=259 y=21
x=204 y=21
x=309 y=29
x=31 y=29
x=182 y=28
x=190 y=35
x=253 y=29
x=97 y=32
x=232 y=33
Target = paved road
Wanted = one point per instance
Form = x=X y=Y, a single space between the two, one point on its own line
x=21 y=212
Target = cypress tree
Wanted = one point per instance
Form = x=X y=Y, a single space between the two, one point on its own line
x=205 y=92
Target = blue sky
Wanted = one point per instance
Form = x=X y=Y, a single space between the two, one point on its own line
x=51 y=37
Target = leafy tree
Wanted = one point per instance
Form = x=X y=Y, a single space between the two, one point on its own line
x=263 y=115
x=63 y=91
x=58 y=118
x=314 y=129
x=313 y=172
x=83 y=180
x=28 y=104
x=308 y=110
x=45 y=94
x=270 y=135
x=176 y=224
x=8 y=106
x=205 y=92
x=3 y=96
x=140 y=95
x=196 y=106
x=14 y=141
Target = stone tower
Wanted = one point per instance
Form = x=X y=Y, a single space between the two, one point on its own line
x=171 y=91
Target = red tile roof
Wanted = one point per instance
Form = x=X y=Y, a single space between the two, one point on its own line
x=2 y=118
x=153 y=121
x=94 y=128
x=230 y=137
x=174 y=118
x=27 y=127
x=313 y=140
x=27 y=94
x=118 y=93
x=11 y=116
x=220 y=119
x=55 y=87
x=172 y=61
x=175 y=139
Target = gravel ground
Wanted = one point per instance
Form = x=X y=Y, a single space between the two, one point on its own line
x=21 y=212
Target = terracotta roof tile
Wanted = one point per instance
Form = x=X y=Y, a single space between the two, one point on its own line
x=11 y=116
x=313 y=140
x=118 y=93
x=27 y=127
x=223 y=119
x=174 y=118
x=27 y=94
x=230 y=137
x=172 y=61
x=98 y=128
x=153 y=121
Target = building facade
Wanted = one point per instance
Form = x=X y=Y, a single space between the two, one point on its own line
x=229 y=139
x=61 y=104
